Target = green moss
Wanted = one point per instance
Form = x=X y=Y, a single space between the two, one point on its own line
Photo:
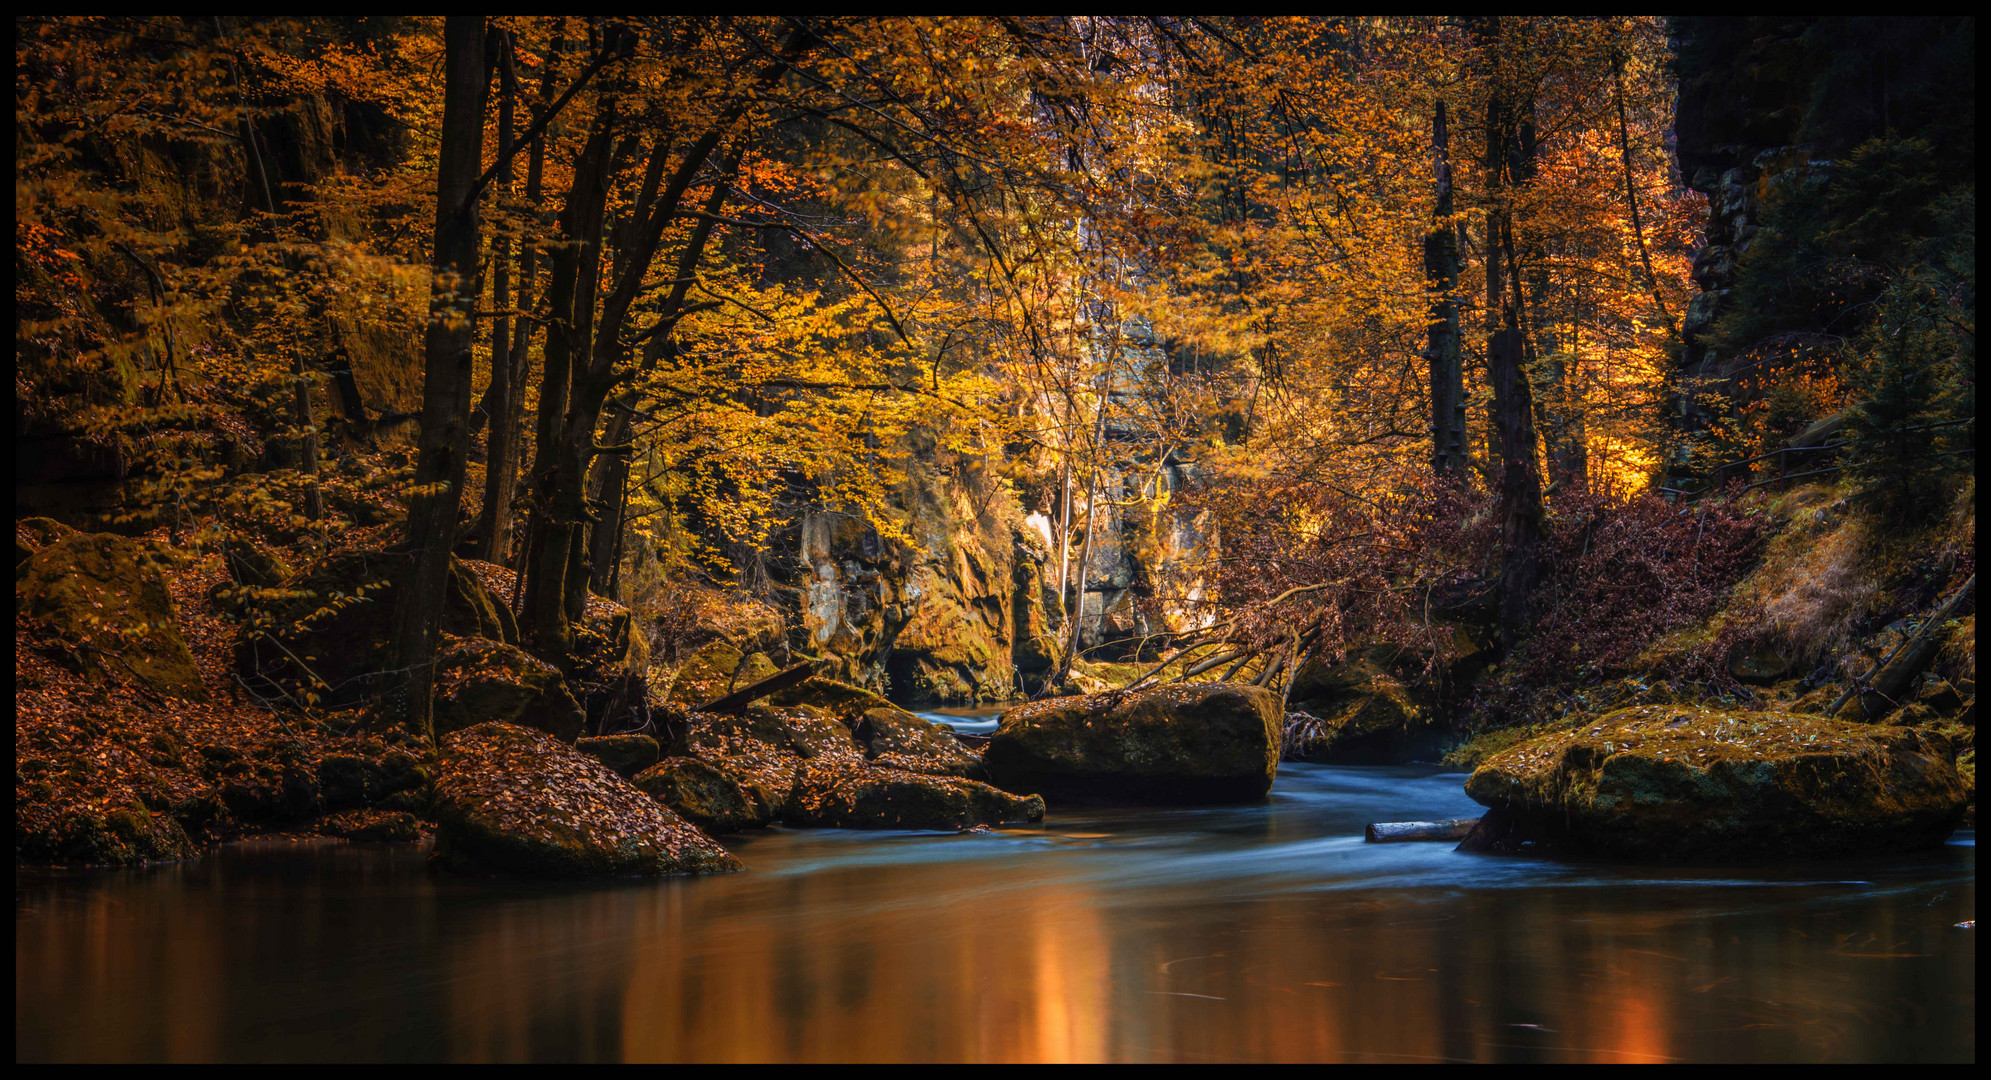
x=1708 y=784
x=107 y=606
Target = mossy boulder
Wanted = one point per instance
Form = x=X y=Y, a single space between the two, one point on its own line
x=1364 y=715
x=479 y=680
x=875 y=798
x=803 y=731
x=103 y=600
x=513 y=800
x=717 y=670
x=802 y=764
x=1194 y=743
x=896 y=739
x=1668 y=783
x=35 y=533
x=839 y=699
x=721 y=796
x=334 y=621
x=105 y=835
x=626 y=754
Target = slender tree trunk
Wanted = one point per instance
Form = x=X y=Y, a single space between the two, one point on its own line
x=557 y=499
x=1441 y=272
x=314 y=500
x=500 y=445
x=445 y=426
x=1506 y=356
x=1631 y=194
x=1520 y=486
x=1065 y=531
x=609 y=478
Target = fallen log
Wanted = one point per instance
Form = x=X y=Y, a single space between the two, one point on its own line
x=1889 y=678
x=746 y=695
x=1391 y=832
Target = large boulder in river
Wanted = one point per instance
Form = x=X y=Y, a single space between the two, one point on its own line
x=105 y=604
x=1678 y=784
x=1208 y=742
x=515 y=800
x=803 y=765
x=479 y=680
x=334 y=621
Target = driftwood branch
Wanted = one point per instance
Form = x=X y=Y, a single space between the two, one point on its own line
x=1392 y=832
x=746 y=695
x=1890 y=676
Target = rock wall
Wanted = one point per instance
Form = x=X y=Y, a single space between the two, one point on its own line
x=954 y=614
x=1140 y=578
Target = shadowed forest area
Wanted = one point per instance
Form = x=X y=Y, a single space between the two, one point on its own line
x=579 y=444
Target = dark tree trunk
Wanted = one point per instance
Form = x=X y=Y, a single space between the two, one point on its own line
x=314 y=500
x=1441 y=272
x=1520 y=486
x=499 y=406
x=445 y=427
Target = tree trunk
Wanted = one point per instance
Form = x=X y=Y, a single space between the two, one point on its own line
x=499 y=408
x=1631 y=193
x=1441 y=272
x=1520 y=485
x=557 y=499
x=314 y=500
x=445 y=426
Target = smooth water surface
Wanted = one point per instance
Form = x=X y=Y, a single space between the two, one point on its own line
x=1266 y=932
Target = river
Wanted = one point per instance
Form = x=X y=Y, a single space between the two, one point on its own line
x=1253 y=933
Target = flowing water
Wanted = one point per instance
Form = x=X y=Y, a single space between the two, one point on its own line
x=1253 y=933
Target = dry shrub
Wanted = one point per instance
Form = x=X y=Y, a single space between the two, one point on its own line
x=1835 y=571
x=1620 y=572
x=1817 y=587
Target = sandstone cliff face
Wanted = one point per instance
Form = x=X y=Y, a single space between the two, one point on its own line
x=953 y=615
x=1143 y=551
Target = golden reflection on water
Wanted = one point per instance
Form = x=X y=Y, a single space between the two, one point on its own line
x=1011 y=959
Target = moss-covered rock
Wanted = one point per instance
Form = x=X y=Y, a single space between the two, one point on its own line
x=1193 y=743
x=626 y=754
x=334 y=621
x=115 y=835
x=896 y=739
x=721 y=796
x=515 y=800
x=840 y=699
x=108 y=609
x=716 y=670
x=1364 y=715
x=478 y=681
x=1679 y=784
x=895 y=799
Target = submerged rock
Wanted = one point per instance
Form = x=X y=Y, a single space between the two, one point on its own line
x=108 y=608
x=516 y=800
x=1208 y=742
x=1676 y=784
